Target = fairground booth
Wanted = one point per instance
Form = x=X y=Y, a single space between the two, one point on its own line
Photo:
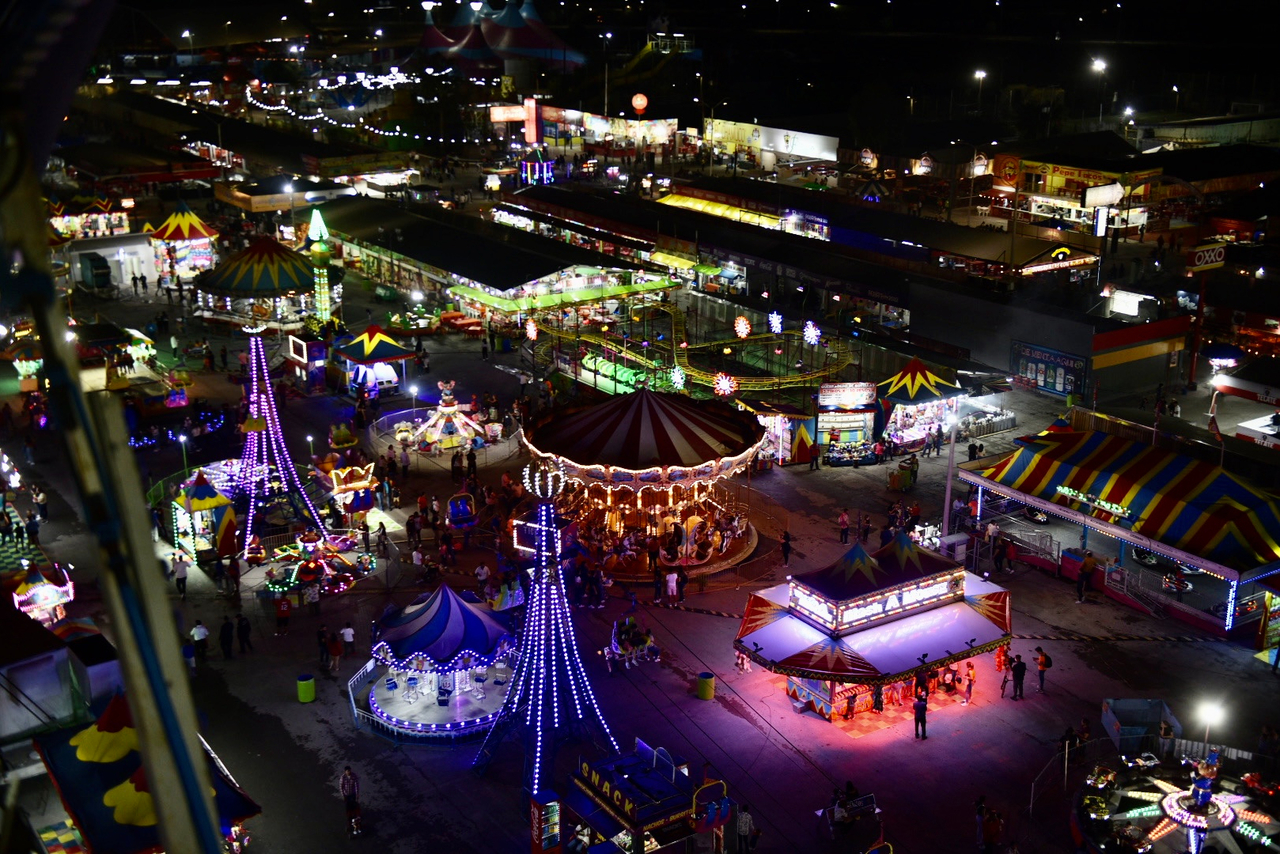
x=651 y=463
x=439 y=669
x=204 y=522
x=1258 y=381
x=1175 y=534
x=184 y=245
x=788 y=432
x=368 y=364
x=98 y=772
x=847 y=422
x=265 y=285
x=844 y=636
x=920 y=403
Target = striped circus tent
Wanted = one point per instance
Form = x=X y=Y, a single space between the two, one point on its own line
x=916 y=383
x=265 y=269
x=1182 y=502
x=374 y=345
x=201 y=495
x=648 y=430
x=183 y=224
x=57 y=238
x=439 y=629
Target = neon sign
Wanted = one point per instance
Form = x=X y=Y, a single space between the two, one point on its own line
x=866 y=609
x=1094 y=501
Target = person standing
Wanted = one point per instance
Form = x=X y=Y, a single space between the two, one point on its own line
x=322 y=641
x=226 y=635
x=334 y=646
x=673 y=585
x=471 y=462
x=815 y=457
x=659 y=578
x=981 y=806
x=180 y=569
x=243 y=628
x=1043 y=663
x=1019 y=676
x=1087 y=566
x=1004 y=683
x=41 y=498
x=283 y=609
x=484 y=351
x=921 y=709
x=348 y=640
x=970 y=677
x=33 y=530
x=843 y=522
x=746 y=828
x=786 y=548
x=404 y=461
x=233 y=576
x=312 y=596
x=992 y=829
x=200 y=638
x=135 y=285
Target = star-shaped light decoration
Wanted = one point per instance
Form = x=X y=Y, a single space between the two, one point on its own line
x=725 y=385
x=677 y=377
x=775 y=323
x=531 y=330
x=812 y=334
x=741 y=326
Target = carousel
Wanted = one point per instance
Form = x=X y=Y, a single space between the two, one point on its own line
x=444 y=664
x=656 y=466
x=846 y=635
x=923 y=404
x=44 y=592
x=266 y=285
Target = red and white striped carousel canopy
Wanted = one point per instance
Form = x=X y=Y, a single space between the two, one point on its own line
x=645 y=430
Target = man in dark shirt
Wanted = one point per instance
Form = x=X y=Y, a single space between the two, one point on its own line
x=921 y=709
x=1019 y=674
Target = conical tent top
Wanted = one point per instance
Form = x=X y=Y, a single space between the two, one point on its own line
x=318 y=230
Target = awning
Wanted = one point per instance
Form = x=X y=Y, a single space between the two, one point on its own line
x=707 y=269
x=669 y=260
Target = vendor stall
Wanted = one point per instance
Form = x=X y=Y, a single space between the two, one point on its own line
x=368 y=363
x=847 y=423
x=203 y=519
x=787 y=431
x=183 y=245
x=922 y=405
x=845 y=634
x=44 y=592
x=439 y=656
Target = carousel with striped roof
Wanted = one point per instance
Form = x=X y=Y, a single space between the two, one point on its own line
x=266 y=285
x=650 y=464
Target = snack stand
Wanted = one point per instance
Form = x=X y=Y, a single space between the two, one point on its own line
x=847 y=423
x=844 y=633
x=922 y=403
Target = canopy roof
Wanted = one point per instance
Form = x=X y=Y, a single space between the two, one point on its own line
x=859 y=572
x=264 y=269
x=646 y=430
x=374 y=345
x=915 y=383
x=183 y=224
x=881 y=653
x=98 y=773
x=1259 y=380
x=1183 y=502
x=442 y=628
x=201 y=495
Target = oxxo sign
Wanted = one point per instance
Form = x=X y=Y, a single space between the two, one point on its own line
x=1206 y=257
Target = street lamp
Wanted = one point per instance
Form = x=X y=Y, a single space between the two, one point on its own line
x=1212 y=715
x=1100 y=68
x=311 y=448
x=1177 y=99
x=604 y=50
x=981 y=75
x=293 y=223
x=191 y=50
x=182 y=442
x=413 y=391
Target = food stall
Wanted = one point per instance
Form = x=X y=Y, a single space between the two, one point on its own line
x=845 y=635
x=847 y=423
x=922 y=404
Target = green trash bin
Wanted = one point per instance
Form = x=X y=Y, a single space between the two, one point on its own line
x=306 y=688
x=706 y=686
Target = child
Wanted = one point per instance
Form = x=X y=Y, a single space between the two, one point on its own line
x=743 y=662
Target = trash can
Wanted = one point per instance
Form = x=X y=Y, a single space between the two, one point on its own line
x=706 y=686
x=306 y=688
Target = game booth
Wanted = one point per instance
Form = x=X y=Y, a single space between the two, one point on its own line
x=788 y=433
x=844 y=636
x=440 y=667
x=203 y=519
x=848 y=420
x=369 y=363
x=919 y=403
x=183 y=245
x=99 y=775
x=651 y=463
x=1149 y=508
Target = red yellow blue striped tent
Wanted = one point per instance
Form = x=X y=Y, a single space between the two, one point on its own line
x=183 y=224
x=264 y=269
x=916 y=383
x=1180 y=501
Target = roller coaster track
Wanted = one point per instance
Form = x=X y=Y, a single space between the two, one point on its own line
x=838 y=354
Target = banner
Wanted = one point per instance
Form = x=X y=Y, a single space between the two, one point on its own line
x=1051 y=370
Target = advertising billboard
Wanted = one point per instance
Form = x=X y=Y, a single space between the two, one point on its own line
x=1051 y=370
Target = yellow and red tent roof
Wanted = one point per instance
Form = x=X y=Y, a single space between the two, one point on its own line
x=374 y=345
x=183 y=224
x=264 y=269
x=916 y=383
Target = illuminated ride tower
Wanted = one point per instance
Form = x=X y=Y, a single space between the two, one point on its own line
x=321 y=252
x=550 y=699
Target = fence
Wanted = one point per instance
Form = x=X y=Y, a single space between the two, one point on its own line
x=366 y=721
x=381 y=434
x=1059 y=769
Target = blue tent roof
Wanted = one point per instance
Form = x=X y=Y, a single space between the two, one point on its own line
x=442 y=628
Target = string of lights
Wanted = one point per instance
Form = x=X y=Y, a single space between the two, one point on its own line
x=361 y=124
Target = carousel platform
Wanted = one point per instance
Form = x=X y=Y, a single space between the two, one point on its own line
x=635 y=568
x=463 y=713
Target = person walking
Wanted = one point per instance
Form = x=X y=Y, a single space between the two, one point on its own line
x=349 y=786
x=283 y=610
x=226 y=636
x=243 y=627
x=1043 y=663
x=970 y=677
x=746 y=828
x=181 y=567
x=484 y=351
x=1087 y=566
x=843 y=522
x=200 y=638
x=233 y=576
x=322 y=641
x=1019 y=676
x=335 y=652
x=921 y=709
x=786 y=548
x=348 y=640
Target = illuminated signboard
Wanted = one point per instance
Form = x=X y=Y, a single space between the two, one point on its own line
x=1093 y=501
x=935 y=590
x=606 y=788
x=847 y=395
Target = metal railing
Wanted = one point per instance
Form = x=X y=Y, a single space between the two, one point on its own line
x=366 y=721
x=1059 y=768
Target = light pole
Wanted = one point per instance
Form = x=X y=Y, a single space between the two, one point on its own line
x=293 y=223
x=1212 y=714
x=413 y=391
x=604 y=50
x=191 y=50
x=1100 y=68
x=981 y=75
x=311 y=447
x=182 y=443
x=1177 y=99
